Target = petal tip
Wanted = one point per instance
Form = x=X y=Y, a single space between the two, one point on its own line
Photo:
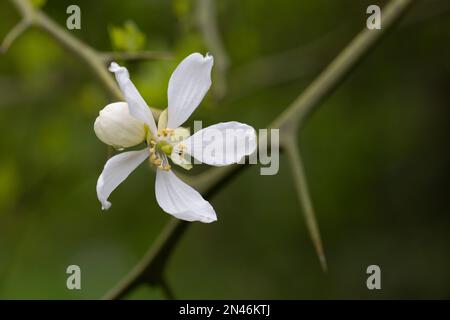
x=106 y=205
x=114 y=67
x=209 y=220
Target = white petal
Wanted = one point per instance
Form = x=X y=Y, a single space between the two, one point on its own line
x=138 y=107
x=181 y=160
x=116 y=170
x=179 y=134
x=162 y=121
x=180 y=200
x=221 y=144
x=187 y=86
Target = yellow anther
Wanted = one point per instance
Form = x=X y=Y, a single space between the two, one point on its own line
x=167 y=167
x=167 y=132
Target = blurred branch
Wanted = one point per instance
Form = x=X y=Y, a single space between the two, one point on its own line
x=207 y=22
x=81 y=50
x=167 y=291
x=151 y=267
x=301 y=184
x=295 y=115
x=108 y=57
x=289 y=122
x=282 y=67
x=14 y=33
x=299 y=63
x=91 y=57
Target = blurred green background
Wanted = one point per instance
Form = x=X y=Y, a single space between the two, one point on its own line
x=376 y=154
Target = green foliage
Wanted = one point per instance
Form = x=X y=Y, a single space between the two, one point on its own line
x=181 y=7
x=127 y=38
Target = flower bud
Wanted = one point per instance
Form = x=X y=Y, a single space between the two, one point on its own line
x=116 y=127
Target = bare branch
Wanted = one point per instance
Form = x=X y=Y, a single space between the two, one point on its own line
x=207 y=22
x=84 y=52
x=149 y=270
x=166 y=289
x=301 y=184
x=25 y=8
x=281 y=67
x=295 y=115
x=13 y=34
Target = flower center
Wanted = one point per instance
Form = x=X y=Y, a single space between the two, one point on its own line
x=164 y=147
x=159 y=150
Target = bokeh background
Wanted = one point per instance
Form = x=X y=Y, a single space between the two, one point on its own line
x=376 y=154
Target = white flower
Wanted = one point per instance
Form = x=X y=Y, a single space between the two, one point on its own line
x=127 y=124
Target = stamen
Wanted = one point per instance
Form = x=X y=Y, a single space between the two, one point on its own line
x=167 y=132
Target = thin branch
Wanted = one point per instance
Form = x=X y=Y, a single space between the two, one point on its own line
x=108 y=57
x=282 y=67
x=299 y=63
x=149 y=270
x=295 y=115
x=167 y=291
x=25 y=8
x=92 y=58
x=151 y=267
x=206 y=15
x=301 y=184
x=289 y=123
x=13 y=34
